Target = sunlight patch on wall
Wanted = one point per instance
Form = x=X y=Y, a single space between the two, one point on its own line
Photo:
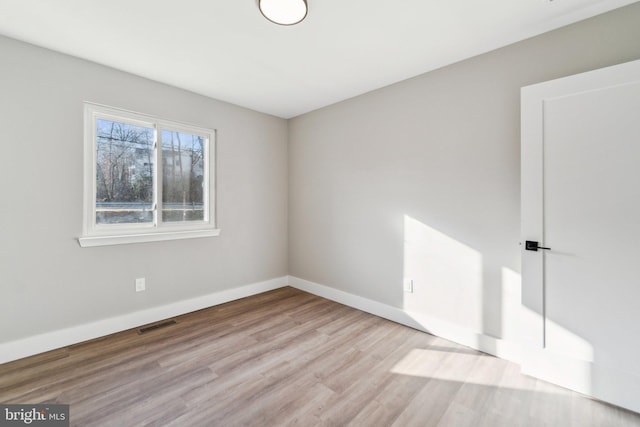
x=446 y=275
x=511 y=296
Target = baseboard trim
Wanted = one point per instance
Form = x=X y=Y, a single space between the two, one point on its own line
x=37 y=344
x=485 y=343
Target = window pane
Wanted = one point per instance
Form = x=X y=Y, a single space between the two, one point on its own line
x=124 y=169
x=182 y=176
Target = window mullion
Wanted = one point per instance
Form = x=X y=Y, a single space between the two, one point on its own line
x=206 y=180
x=157 y=181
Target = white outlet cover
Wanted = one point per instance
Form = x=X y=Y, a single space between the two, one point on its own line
x=408 y=285
x=140 y=285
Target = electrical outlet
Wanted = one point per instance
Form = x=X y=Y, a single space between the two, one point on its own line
x=408 y=285
x=141 y=284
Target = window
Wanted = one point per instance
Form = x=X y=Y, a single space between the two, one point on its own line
x=146 y=179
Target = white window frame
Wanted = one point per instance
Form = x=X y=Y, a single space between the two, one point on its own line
x=94 y=234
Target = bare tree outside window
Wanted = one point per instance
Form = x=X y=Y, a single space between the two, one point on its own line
x=182 y=176
x=124 y=173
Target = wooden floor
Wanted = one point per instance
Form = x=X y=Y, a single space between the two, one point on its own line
x=290 y=358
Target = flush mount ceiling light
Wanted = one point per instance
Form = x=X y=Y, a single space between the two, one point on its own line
x=283 y=12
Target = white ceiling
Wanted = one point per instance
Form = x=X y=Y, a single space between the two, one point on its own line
x=225 y=49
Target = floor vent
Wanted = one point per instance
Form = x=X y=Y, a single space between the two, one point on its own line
x=155 y=326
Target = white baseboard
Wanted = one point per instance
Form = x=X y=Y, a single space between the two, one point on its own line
x=485 y=343
x=36 y=344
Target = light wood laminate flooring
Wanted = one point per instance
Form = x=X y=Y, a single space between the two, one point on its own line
x=287 y=357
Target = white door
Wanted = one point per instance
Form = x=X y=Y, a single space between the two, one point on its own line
x=581 y=199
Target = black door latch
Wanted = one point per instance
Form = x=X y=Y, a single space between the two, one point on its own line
x=531 y=245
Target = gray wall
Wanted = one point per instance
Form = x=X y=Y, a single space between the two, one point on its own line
x=47 y=281
x=421 y=179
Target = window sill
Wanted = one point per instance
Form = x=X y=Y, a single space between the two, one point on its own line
x=89 y=241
